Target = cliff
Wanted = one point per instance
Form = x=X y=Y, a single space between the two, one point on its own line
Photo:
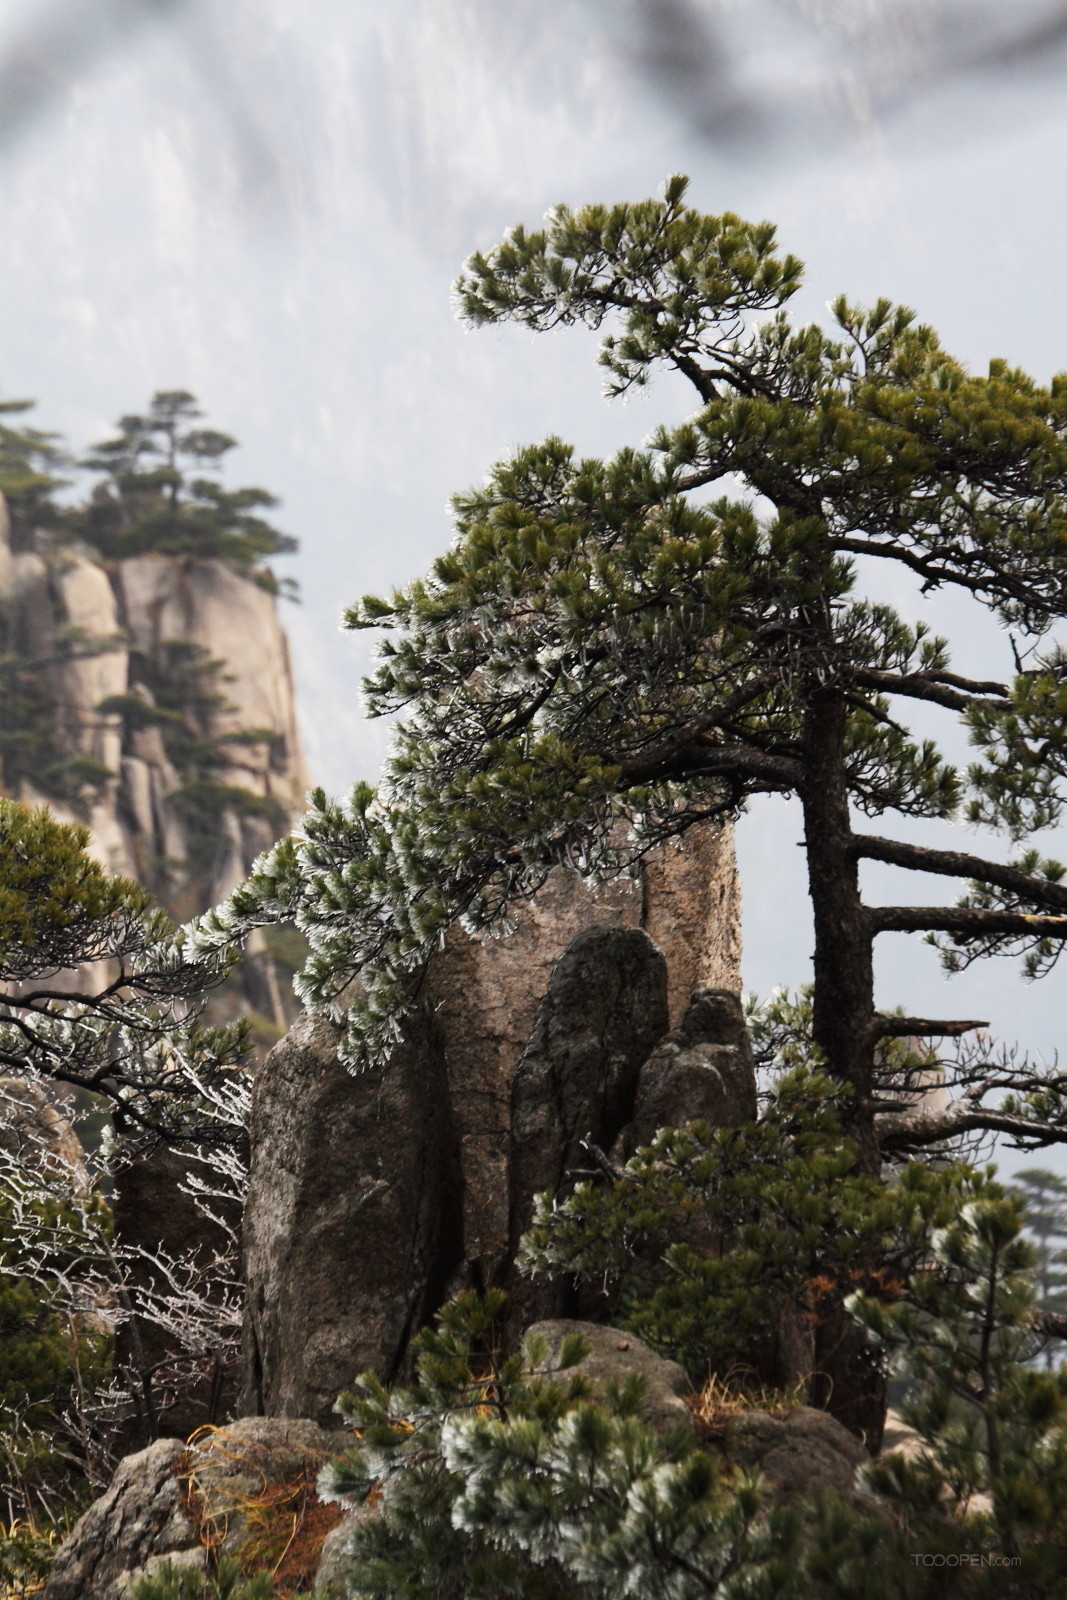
x=152 y=699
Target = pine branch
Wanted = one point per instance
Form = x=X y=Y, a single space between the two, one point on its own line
x=965 y=921
x=646 y=765
x=919 y=1129
x=936 y=687
x=884 y=1027
x=1051 y=1323
x=958 y=864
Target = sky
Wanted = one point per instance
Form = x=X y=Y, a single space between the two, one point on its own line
x=266 y=202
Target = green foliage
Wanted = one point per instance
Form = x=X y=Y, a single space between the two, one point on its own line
x=993 y=1427
x=606 y=657
x=490 y=1477
x=500 y=1476
x=26 y=1556
x=136 y=1037
x=709 y=1238
x=701 y=273
x=57 y=905
x=173 y=1582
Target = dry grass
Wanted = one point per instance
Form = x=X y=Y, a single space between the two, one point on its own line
x=735 y=1394
x=264 y=1523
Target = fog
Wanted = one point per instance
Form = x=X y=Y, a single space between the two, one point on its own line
x=266 y=202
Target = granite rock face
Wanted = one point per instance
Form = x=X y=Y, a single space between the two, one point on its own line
x=372 y=1198
x=486 y=994
x=153 y=700
x=605 y=1008
x=352 y=1224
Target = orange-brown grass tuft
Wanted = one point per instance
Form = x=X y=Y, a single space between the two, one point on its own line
x=723 y=1398
x=265 y=1523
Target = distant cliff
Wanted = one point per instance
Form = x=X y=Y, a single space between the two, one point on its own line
x=152 y=698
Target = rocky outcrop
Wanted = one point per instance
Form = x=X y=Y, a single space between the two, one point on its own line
x=352 y=1225
x=702 y=1071
x=486 y=994
x=373 y=1196
x=795 y=1451
x=247 y=1487
x=614 y=1356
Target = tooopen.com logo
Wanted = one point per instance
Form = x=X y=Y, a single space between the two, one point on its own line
x=966 y=1558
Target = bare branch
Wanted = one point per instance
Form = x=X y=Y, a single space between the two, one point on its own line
x=959 y=864
x=917 y=1130
x=884 y=1027
x=923 y=686
x=965 y=921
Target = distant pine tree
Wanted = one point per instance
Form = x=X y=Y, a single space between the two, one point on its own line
x=29 y=463
x=1045 y=1195
x=160 y=492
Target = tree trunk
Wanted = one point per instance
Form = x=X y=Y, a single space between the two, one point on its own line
x=847 y=1381
x=843 y=1002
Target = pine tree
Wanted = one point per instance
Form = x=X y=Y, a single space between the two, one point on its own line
x=508 y=1475
x=30 y=461
x=1045 y=1197
x=730 y=1249
x=492 y=1476
x=993 y=1426
x=606 y=658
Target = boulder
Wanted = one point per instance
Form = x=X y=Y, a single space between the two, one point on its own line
x=352 y=1224
x=605 y=1009
x=246 y=1491
x=139 y=1521
x=614 y=1356
x=796 y=1451
x=703 y=1070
